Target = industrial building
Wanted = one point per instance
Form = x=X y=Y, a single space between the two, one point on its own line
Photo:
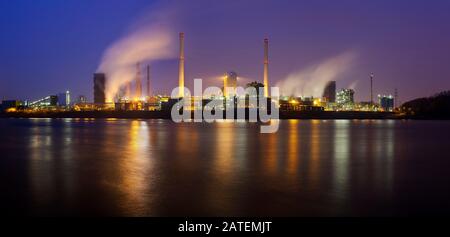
x=12 y=105
x=126 y=100
x=345 y=96
x=386 y=102
x=142 y=100
x=64 y=99
x=133 y=96
x=99 y=88
x=345 y=99
x=299 y=104
x=329 y=93
x=50 y=101
x=229 y=81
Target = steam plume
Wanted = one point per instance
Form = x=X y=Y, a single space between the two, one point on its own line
x=312 y=80
x=353 y=85
x=147 y=43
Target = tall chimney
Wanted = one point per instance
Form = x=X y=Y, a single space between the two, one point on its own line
x=266 y=67
x=181 y=68
x=371 y=88
x=128 y=90
x=225 y=85
x=395 y=98
x=148 y=80
x=138 y=81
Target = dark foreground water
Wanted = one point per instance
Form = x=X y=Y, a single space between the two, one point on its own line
x=159 y=168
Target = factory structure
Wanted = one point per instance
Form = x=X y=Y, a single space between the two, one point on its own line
x=229 y=81
x=131 y=96
x=58 y=101
x=339 y=100
x=129 y=99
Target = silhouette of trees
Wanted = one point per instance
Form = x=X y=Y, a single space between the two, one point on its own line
x=437 y=106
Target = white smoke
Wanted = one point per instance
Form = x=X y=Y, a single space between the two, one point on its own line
x=147 y=43
x=353 y=85
x=312 y=80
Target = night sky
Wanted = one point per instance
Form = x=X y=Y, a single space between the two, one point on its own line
x=49 y=46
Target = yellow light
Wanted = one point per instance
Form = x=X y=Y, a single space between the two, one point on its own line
x=11 y=110
x=293 y=102
x=317 y=102
x=164 y=99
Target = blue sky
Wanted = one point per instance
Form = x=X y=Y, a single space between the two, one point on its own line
x=49 y=46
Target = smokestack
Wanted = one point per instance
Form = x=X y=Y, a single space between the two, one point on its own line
x=148 y=80
x=266 y=67
x=138 y=81
x=128 y=90
x=371 y=88
x=181 y=68
x=225 y=85
x=395 y=98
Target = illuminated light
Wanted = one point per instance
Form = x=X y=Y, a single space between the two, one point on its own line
x=165 y=99
x=11 y=110
x=293 y=102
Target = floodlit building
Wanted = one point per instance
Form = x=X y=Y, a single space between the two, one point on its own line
x=386 y=102
x=64 y=99
x=46 y=102
x=299 y=104
x=344 y=99
x=345 y=96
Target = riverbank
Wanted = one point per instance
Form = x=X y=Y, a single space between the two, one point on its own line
x=167 y=115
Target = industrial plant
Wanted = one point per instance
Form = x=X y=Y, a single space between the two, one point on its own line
x=131 y=96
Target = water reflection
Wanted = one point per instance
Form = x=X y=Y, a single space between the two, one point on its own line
x=49 y=168
x=341 y=155
x=157 y=167
x=135 y=170
x=314 y=159
x=219 y=190
x=293 y=148
x=225 y=154
x=269 y=153
x=384 y=155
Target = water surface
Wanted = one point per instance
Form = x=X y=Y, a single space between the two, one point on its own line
x=159 y=168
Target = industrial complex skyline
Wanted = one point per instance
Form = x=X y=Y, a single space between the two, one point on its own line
x=48 y=52
x=117 y=88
